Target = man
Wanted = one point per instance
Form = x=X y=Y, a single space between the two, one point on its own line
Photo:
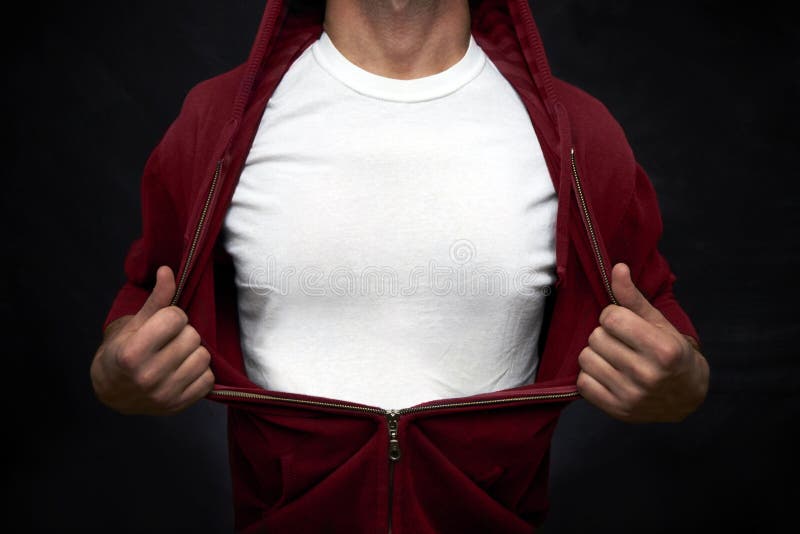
x=396 y=135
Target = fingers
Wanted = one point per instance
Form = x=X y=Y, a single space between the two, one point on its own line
x=611 y=396
x=629 y=296
x=636 y=363
x=197 y=390
x=160 y=297
x=171 y=356
x=159 y=366
x=191 y=381
x=598 y=395
x=168 y=391
x=631 y=329
x=151 y=369
x=159 y=330
x=641 y=371
x=164 y=373
x=191 y=369
x=599 y=369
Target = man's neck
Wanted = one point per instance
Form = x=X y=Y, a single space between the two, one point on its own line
x=402 y=39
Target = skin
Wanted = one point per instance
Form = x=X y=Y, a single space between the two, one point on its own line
x=635 y=367
x=152 y=363
x=399 y=39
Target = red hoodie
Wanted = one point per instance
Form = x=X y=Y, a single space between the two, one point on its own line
x=472 y=464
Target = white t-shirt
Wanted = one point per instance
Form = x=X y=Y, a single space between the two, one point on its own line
x=393 y=240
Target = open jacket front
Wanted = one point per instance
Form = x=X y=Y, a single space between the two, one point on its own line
x=473 y=464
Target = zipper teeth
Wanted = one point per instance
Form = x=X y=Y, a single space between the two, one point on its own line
x=488 y=402
x=196 y=236
x=259 y=396
x=392 y=414
x=238 y=106
x=590 y=226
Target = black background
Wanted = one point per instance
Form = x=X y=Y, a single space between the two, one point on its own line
x=707 y=93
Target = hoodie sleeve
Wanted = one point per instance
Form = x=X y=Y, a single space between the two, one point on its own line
x=636 y=243
x=158 y=244
x=169 y=186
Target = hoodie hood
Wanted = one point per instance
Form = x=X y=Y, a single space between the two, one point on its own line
x=485 y=14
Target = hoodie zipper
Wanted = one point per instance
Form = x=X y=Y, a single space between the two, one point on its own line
x=254 y=61
x=393 y=417
x=197 y=231
x=590 y=227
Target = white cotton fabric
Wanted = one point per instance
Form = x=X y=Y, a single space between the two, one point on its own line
x=393 y=240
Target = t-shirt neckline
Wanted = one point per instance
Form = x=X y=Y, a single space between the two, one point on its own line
x=415 y=90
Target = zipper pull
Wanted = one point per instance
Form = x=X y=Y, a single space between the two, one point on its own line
x=394 y=445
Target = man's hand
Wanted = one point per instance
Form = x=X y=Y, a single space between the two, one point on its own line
x=152 y=363
x=637 y=367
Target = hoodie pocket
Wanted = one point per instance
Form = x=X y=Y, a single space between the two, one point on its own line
x=287 y=461
x=494 y=462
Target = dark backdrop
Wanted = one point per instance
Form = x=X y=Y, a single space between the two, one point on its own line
x=707 y=92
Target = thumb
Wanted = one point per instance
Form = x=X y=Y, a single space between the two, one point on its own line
x=160 y=297
x=629 y=296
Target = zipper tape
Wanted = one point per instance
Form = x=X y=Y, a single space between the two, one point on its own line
x=594 y=237
x=552 y=394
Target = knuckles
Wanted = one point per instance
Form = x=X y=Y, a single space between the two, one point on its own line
x=651 y=378
x=596 y=335
x=162 y=398
x=127 y=359
x=199 y=360
x=612 y=317
x=584 y=356
x=146 y=379
x=192 y=336
x=669 y=353
x=631 y=399
x=207 y=381
x=204 y=356
x=582 y=383
x=174 y=316
x=150 y=389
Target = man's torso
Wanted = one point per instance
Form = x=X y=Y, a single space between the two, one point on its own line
x=393 y=239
